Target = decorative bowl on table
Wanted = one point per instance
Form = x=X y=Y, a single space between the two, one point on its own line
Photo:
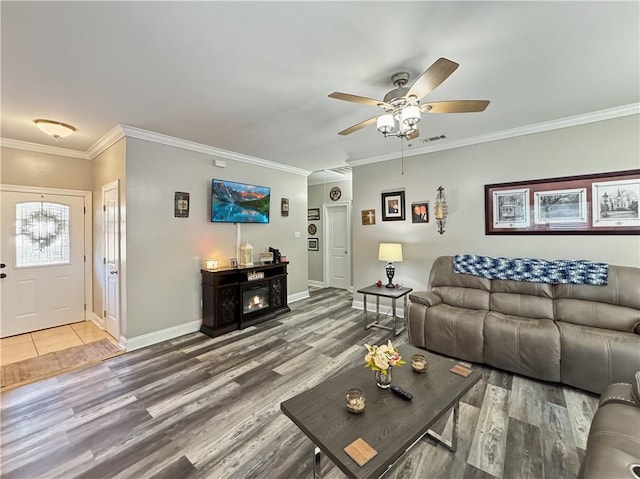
x=419 y=363
x=355 y=401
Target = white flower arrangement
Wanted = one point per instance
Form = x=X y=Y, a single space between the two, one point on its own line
x=381 y=358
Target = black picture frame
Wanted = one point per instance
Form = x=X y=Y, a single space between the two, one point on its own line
x=393 y=206
x=601 y=203
x=313 y=214
x=284 y=206
x=181 y=205
x=312 y=244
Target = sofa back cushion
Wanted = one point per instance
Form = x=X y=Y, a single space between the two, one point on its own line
x=522 y=298
x=460 y=290
x=614 y=306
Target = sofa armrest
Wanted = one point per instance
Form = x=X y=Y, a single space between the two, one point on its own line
x=426 y=298
x=618 y=393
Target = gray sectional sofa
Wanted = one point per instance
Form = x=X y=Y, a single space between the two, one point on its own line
x=581 y=335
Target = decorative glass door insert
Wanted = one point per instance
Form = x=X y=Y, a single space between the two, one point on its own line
x=42 y=234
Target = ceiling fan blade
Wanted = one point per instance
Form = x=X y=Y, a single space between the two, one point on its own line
x=432 y=77
x=454 y=106
x=358 y=126
x=414 y=135
x=358 y=99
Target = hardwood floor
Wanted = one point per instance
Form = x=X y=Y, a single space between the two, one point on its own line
x=199 y=407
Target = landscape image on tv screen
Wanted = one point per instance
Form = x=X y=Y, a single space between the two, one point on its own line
x=233 y=202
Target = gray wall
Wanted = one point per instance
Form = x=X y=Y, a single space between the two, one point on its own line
x=165 y=254
x=319 y=195
x=611 y=145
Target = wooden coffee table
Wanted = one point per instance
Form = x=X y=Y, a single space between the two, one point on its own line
x=389 y=424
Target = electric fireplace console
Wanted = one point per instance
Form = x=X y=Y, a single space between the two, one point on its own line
x=234 y=298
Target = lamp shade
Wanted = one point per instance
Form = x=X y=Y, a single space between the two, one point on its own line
x=390 y=252
x=385 y=123
x=410 y=115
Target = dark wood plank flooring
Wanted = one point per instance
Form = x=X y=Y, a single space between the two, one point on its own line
x=199 y=407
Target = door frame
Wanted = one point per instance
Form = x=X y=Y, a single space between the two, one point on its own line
x=115 y=184
x=326 y=250
x=88 y=234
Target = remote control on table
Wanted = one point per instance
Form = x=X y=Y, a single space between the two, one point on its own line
x=402 y=393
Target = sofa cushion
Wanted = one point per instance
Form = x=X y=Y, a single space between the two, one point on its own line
x=635 y=387
x=461 y=290
x=593 y=358
x=614 y=306
x=447 y=330
x=523 y=345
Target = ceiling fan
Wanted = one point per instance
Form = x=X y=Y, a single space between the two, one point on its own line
x=402 y=104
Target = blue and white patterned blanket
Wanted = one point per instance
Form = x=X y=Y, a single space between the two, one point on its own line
x=533 y=270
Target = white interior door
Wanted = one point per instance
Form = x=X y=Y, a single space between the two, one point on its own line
x=337 y=250
x=43 y=252
x=111 y=295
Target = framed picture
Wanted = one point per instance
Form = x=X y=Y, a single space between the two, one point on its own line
x=393 y=206
x=312 y=244
x=420 y=212
x=313 y=214
x=312 y=229
x=368 y=217
x=284 y=206
x=233 y=262
x=603 y=203
x=181 y=205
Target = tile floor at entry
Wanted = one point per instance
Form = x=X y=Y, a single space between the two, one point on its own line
x=30 y=345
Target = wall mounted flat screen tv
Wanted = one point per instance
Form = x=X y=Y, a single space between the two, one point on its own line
x=233 y=202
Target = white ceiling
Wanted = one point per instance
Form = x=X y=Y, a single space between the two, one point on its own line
x=253 y=77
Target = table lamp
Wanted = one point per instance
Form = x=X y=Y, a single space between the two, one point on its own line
x=390 y=252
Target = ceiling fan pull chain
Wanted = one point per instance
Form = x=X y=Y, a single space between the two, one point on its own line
x=401 y=156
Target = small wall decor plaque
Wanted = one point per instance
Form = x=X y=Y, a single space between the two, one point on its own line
x=368 y=217
x=181 y=205
x=313 y=214
x=284 y=206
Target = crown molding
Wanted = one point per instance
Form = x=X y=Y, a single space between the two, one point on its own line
x=112 y=136
x=38 y=148
x=138 y=133
x=601 y=115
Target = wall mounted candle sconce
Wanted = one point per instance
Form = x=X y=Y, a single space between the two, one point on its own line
x=441 y=210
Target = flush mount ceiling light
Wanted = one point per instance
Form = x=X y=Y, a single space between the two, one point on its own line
x=54 y=129
x=402 y=107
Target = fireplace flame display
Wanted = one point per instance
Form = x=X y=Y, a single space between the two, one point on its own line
x=255 y=299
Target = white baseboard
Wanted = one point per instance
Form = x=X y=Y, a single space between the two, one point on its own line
x=97 y=320
x=137 y=342
x=297 y=297
x=315 y=284
x=385 y=309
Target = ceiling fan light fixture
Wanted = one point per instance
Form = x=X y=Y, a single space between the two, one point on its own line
x=385 y=124
x=410 y=115
x=54 y=129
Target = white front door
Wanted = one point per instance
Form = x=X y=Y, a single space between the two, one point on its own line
x=43 y=252
x=337 y=251
x=111 y=211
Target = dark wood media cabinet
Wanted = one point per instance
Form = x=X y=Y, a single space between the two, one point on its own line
x=231 y=300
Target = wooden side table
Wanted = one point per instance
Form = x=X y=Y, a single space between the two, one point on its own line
x=393 y=294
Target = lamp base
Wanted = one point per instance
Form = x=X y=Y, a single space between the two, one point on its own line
x=391 y=270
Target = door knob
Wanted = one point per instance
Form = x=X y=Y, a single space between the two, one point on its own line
x=2 y=275
x=113 y=272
